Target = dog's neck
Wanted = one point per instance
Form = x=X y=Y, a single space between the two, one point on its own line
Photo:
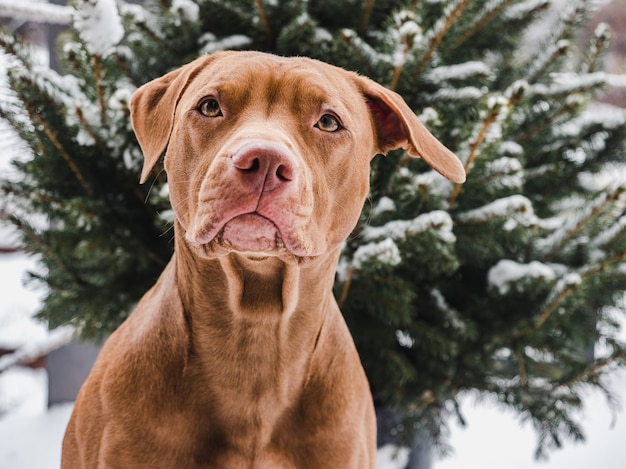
x=254 y=285
x=258 y=319
x=234 y=289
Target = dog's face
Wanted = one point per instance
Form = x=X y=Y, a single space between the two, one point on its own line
x=269 y=155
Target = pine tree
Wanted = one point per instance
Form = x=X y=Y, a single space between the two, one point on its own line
x=502 y=285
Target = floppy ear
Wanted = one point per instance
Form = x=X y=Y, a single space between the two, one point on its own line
x=152 y=109
x=398 y=127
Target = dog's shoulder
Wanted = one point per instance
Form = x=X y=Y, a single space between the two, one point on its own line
x=149 y=348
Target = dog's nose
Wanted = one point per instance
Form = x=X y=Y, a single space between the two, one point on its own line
x=265 y=167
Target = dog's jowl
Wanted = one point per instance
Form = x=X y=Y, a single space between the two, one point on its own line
x=239 y=357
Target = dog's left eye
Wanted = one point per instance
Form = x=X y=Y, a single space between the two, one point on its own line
x=328 y=123
x=210 y=108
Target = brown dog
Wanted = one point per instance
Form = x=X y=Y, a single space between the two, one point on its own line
x=239 y=357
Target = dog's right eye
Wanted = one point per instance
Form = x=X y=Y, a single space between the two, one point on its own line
x=210 y=108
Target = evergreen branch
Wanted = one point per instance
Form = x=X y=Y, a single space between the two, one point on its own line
x=362 y=49
x=263 y=17
x=122 y=64
x=545 y=124
x=14 y=48
x=440 y=34
x=46 y=249
x=59 y=146
x=559 y=42
x=161 y=41
x=521 y=366
x=583 y=222
x=99 y=87
x=89 y=129
x=478 y=26
x=617 y=236
x=570 y=18
x=567 y=291
x=593 y=370
x=365 y=16
x=550 y=56
x=491 y=118
x=599 y=43
x=547 y=312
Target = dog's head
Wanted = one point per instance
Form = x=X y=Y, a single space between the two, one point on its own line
x=268 y=155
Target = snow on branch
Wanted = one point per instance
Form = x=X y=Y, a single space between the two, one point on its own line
x=523 y=9
x=466 y=94
x=99 y=25
x=603 y=115
x=568 y=83
x=437 y=220
x=462 y=71
x=515 y=205
x=610 y=236
x=507 y=272
x=576 y=220
x=363 y=49
x=213 y=44
x=385 y=251
x=577 y=80
x=32 y=351
x=36 y=12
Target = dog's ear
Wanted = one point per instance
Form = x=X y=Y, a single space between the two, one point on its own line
x=152 y=110
x=398 y=127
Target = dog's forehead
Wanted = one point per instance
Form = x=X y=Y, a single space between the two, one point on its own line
x=292 y=79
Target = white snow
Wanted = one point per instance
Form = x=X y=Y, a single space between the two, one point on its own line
x=212 y=44
x=516 y=206
x=520 y=10
x=506 y=272
x=23 y=391
x=385 y=204
x=570 y=83
x=99 y=25
x=507 y=171
x=404 y=339
x=385 y=251
x=322 y=35
x=33 y=441
x=461 y=71
x=437 y=220
x=372 y=55
x=466 y=93
x=608 y=178
x=17 y=304
x=36 y=10
x=582 y=81
x=187 y=9
x=610 y=234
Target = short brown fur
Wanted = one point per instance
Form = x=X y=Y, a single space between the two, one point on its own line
x=239 y=357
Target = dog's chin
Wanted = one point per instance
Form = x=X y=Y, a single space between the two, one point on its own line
x=251 y=233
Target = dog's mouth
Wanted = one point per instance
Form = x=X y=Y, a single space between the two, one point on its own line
x=251 y=233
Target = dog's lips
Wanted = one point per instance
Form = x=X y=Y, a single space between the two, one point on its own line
x=251 y=232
